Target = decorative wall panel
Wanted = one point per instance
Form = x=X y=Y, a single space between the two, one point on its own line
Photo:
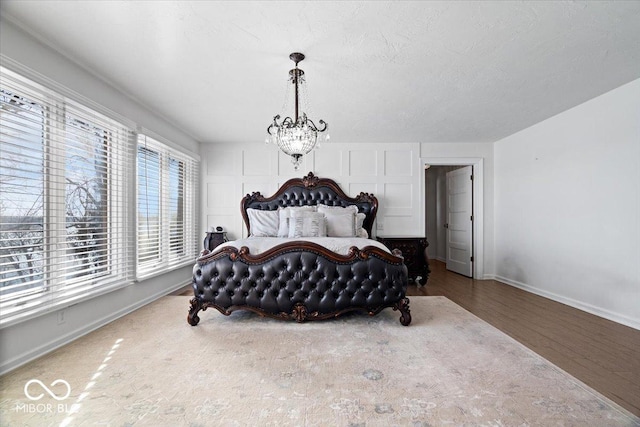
x=363 y=163
x=386 y=170
x=398 y=163
x=218 y=196
x=257 y=162
x=224 y=162
x=398 y=196
x=328 y=162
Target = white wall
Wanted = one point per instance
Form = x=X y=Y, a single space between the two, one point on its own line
x=389 y=171
x=29 y=339
x=568 y=206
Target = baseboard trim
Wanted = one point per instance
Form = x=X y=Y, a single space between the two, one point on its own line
x=24 y=358
x=597 y=311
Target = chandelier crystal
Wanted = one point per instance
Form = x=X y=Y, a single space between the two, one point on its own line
x=299 y=135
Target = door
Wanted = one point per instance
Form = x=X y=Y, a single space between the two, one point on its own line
x=459 y=223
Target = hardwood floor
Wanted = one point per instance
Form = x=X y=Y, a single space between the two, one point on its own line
x=603 y=354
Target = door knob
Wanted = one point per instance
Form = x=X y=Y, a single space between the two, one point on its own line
x=446 y=225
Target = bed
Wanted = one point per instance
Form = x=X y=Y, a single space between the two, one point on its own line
x=308 y=257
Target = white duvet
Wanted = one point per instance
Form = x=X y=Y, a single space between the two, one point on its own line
x=340 y=245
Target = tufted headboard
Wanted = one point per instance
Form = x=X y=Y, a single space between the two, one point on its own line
x=311 y=190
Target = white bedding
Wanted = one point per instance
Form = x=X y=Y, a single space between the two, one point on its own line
x=340 y=245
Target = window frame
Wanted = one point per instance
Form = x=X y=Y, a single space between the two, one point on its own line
x=165 y=261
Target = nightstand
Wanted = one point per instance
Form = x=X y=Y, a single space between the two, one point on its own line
x=414 y=251
x=214 y=239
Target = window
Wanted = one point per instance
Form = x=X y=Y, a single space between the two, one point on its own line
x=66 y=221
x=167 y=182
x=22 y=204
x=63 y=205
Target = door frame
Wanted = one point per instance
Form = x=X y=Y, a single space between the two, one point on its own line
x=478 y=202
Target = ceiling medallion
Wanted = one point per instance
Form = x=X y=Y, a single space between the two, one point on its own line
x=296 y=135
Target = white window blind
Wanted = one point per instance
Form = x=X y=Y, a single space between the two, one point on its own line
x=63 y=205
x=167 y=185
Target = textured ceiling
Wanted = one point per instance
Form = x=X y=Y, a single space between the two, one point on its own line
x=376 y=71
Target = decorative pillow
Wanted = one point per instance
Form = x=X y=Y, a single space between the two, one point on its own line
x=337 y=209
x=285 y=213
x=361 y=232
x=341 y=225
x=263 y=223
x=338 y=227
x=307 y=224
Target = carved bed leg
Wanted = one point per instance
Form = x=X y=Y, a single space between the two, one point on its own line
x=196 y=306
x=403 y=307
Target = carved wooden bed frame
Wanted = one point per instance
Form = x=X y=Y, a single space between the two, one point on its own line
x=301 y=280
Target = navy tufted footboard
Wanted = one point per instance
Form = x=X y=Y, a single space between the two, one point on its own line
x=300 y=281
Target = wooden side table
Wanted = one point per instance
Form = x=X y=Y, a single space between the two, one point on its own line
x=414 y=251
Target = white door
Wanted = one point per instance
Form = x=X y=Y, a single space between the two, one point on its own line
x=460 y=220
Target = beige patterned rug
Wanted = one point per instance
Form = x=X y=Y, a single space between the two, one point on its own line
x=151 y=368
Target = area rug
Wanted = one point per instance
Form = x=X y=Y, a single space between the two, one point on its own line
x=150 y=368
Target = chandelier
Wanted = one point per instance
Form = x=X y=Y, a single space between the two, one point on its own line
x=296 y=135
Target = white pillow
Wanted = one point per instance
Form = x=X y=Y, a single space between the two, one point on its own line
x=263 y=223
x=285 y=213
x=337 y=209
x=358 y=219
x=307 y=224
x=361 y=232
x=341 y=225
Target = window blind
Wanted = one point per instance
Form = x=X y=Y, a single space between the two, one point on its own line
x=166 y=214
x=63 y=205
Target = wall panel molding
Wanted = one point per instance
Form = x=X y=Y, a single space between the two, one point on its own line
x=363 y=163
x=398 y=162
x=356 y=167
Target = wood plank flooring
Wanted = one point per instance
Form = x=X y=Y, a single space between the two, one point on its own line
x=602 y=354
